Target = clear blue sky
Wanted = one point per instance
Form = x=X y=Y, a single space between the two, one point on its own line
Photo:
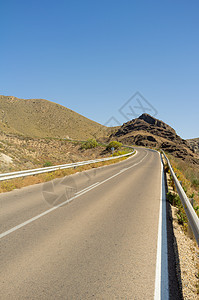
x=93 y=55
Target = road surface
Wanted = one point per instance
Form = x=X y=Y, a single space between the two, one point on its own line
x=92 y=235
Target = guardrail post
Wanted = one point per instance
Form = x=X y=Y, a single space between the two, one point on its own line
x=191 y=201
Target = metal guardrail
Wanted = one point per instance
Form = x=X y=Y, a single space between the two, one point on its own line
x=24 y=173
x=190 y=212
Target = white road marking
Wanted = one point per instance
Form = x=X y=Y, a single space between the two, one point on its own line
x=87 y=188
x=161 y=277
x=65 y=202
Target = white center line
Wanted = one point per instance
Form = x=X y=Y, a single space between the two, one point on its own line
x=87 y=188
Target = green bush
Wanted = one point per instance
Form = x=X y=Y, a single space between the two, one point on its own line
x=89 y=144
x=47 y=164
x=174 y=199
x=181 y=215
x=114 y=144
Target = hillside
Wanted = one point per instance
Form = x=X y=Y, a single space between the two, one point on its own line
x=21 y=153
x=41 y=118
x=151 y=132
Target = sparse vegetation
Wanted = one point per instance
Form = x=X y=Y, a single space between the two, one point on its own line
x=188 y=175
x=187 y=185
x=36 y=153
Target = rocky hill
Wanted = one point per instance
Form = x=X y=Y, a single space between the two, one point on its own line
x=194 y=144
x=42 y=118
x=151 y=132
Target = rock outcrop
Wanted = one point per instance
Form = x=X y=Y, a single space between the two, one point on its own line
x=150 y=132
x=194 y=144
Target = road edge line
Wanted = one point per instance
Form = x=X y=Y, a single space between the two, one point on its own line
x=161 y=273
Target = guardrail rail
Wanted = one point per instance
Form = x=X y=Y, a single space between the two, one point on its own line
x=24 y=173
x=189 y=210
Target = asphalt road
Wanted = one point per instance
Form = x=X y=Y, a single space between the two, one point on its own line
x=92 y=235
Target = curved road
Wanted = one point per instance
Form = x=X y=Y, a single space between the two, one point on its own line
x=92 y=235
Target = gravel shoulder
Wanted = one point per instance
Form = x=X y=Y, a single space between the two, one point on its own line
x=188 y=259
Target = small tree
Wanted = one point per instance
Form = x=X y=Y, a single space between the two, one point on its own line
x=89 y=144
x=114 y=144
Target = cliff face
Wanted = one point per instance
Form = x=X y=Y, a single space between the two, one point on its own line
x=151 y=132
